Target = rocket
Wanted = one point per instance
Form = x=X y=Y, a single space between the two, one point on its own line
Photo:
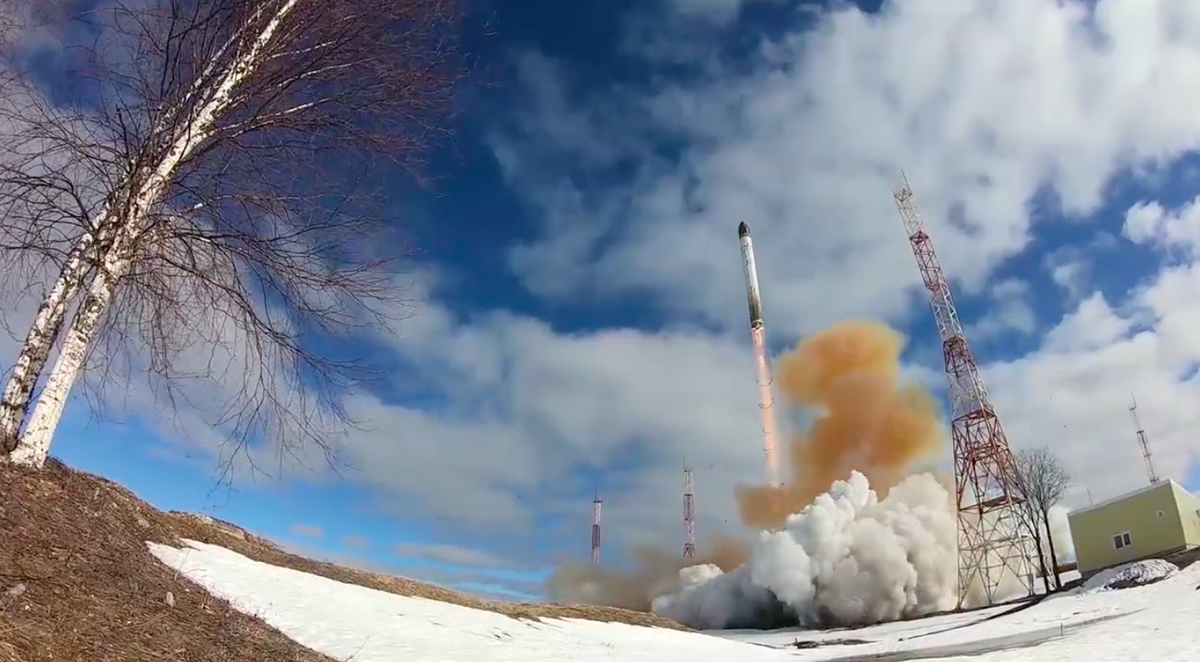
x=762 y=360
x=754 y=298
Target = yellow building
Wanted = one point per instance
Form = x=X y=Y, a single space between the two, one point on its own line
x=1157 y=521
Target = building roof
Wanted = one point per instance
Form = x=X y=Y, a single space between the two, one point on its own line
x=1162 y=484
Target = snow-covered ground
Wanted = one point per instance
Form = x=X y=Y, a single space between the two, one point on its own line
x=365 y=625
x=1153 y=622
x=1082 y=624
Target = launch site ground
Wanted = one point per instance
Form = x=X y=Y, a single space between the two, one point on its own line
x=95 y=574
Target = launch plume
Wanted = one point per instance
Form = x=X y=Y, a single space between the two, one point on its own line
x=866 y=419
x=656 y=573
x=847 y=379
x=849 y=558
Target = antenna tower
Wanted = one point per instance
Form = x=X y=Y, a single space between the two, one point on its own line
x=597 y=502
x=1143 y=444
x=992 y=536
x=689 y=516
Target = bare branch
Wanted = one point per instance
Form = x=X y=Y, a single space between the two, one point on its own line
x=223 y=193
x=1044 y=481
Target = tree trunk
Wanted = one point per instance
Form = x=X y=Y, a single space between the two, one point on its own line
x=34 y=445
x=1053 y=554
x=35 y=351
x=1037 y=542
x=1031 y=518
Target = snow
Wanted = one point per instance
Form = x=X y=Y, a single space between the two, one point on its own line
x=1169 y=605
x=1138 y=573
x=342 y=620
x=1152 y=622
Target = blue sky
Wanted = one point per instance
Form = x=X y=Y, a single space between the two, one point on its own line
x=583 y=322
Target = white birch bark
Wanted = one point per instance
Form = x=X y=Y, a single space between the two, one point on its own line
x=35 y=351
x=35 y=442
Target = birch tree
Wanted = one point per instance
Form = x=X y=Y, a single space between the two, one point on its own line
x=1044 y=480
x=225 y=146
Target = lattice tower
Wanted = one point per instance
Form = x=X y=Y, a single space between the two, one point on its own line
x=689 y=516
x=1143 y=444
x=597 y=502
x=994 y=541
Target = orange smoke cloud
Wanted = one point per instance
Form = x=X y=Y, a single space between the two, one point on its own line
x=866 y=419
x=848 y=376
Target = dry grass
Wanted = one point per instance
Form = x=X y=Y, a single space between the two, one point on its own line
x=78 y=583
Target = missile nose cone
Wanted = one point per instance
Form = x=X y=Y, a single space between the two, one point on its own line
x=743 y=229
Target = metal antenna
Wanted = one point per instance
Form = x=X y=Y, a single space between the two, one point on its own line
x=689 y=516
x=993 y=538
x=1143 y=443
x=597 y=502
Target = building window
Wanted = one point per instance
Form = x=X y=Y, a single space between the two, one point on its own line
x=1122 y=540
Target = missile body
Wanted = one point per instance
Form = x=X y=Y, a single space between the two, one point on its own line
x=762 y=360
x=754 y=298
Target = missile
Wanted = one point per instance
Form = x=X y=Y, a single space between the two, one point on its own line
x=758 y=336
x=754 y=299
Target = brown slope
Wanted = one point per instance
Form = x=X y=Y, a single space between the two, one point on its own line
x=78 y=583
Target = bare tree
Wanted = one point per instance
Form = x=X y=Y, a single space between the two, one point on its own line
x=231 y=159
x=1043 y=480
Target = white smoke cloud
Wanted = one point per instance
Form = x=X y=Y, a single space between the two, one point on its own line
x=849 y=558
x=1060 y=535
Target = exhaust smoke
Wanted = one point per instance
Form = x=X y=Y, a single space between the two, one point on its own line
x=851 y=537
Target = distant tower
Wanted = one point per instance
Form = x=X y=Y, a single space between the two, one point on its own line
x=1143 y=444
x=689 y=516
x=992 y=536
x=596 y=503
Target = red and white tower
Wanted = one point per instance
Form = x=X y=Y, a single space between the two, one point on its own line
x=993 y=539
x=689 y=516
x=596 y=504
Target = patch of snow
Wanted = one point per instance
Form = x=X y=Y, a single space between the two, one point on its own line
x=352 y=622
x=1065 y=611
x=1138 y=573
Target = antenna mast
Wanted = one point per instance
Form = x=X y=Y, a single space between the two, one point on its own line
x=1143 y=443
x=689 y=516
x=596 y=504
x=992 y=536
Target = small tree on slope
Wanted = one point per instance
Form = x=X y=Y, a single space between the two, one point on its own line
x=216 y=165
x=1044 y=480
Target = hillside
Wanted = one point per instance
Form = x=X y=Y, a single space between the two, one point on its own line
x=77 y=581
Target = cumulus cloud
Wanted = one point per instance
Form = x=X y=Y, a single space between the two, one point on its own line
x=1010 y=312
x=806 y=145
x=451 y=554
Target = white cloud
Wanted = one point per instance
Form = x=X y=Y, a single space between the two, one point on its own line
x=982 y=103
x=1073 y=394
x=1010 y=312
x=1149 y=223
x=528 y=409
x=449 y=554
x=1071 y=266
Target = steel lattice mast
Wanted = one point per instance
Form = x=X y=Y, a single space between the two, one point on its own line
x=993 y=538
x=596 y=505
x=689 y=516
x=1143 y=444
